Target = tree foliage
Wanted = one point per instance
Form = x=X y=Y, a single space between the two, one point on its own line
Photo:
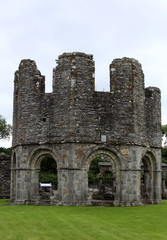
x=107 y=178
x=5 y=128
x=164 y=155
x=94 y=170
x=45 y=177
x=49 y=165
x=164 y=148
x=6 y=150
x=48 y=171
x=164 y=130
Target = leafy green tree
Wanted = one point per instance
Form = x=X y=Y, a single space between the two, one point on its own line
x=48 y=165
x=45 y=177
x=94 y=171
x=107 y=178
x=164 y=155
x=48 y=171
x=6 y=150
x=164 y=148
x=164 y=130
x=5 y=128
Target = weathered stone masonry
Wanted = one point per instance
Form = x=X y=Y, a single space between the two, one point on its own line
x=74 y=124
x=5 y=163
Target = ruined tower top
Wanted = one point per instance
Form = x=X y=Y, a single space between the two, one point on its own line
x=74 y=73
x=75 y=112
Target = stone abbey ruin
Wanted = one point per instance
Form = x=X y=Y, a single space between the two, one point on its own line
x=74 y=124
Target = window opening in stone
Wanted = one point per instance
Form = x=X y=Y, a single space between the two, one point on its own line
x=101 y=180
x=48 y=179
x=44 y=119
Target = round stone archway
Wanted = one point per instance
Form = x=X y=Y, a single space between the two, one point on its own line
x=109 y=156
x=148 y=178
x=35 y=160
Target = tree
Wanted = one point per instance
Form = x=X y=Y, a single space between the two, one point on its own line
x=164 y=155
x=164 y=148
x=6 y=150
x=94 y=170
x=48 y=172
x=164 y=130
x=5 y=128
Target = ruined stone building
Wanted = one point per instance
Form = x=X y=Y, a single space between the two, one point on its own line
x=75 y=124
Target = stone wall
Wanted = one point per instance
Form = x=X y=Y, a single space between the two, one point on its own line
x=129 y=113
x=5 y=164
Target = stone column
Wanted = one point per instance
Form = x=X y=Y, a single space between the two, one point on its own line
x=163 y=186
x=13 y=185
x=157 y=184
x=34 y=185
x=130 y=189
x=73 y=186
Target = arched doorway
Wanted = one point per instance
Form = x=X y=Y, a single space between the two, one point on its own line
x=44 y=169
x=147 y=180
x=101 y=179
x=48 y=179
x=103 y=176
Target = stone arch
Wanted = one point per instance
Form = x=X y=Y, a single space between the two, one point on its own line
x=148 y=168
x=35 y=158
x=150 y=155
x=95 y=152
x=38 y=154
x=110 y=156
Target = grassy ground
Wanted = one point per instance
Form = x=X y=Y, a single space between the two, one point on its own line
x=78 y=223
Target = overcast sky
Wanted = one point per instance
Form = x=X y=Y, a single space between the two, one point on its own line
x=43 y=29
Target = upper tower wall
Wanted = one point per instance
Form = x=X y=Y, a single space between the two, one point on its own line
x=74 y=74
x=74 y=112
x=29 y=86
x=153 y=116
x=127 y=89
x=126 y=75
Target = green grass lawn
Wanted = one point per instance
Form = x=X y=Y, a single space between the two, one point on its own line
x=78 y=223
